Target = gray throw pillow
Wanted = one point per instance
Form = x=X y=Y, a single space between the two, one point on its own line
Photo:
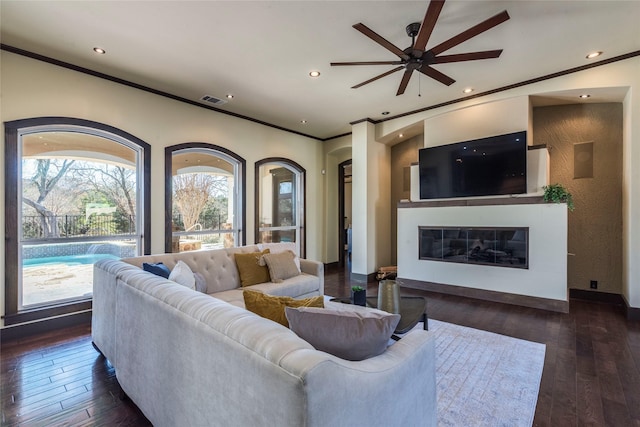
x=201 y=283
x=281 y=265
x=350 y=335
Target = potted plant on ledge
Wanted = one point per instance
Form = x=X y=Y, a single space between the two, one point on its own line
x=556 y=193
x=358 y=295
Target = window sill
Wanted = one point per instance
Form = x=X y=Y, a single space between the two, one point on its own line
x=40 y=313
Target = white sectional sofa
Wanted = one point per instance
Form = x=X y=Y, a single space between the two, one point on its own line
x=194 y=359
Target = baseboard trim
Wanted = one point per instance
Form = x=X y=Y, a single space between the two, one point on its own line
x=45 y=325
x=632 y=313
x=485 y=295
x=596 y=296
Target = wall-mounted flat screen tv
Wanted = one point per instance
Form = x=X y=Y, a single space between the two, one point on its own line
x=482 y=167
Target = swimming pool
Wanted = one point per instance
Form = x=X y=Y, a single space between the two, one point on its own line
x=67 y=260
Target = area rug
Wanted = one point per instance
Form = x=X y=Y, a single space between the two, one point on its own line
x=485 y=379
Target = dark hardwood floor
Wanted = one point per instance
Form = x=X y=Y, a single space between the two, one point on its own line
x=591 y=373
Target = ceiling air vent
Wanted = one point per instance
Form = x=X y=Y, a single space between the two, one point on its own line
x=213 y=100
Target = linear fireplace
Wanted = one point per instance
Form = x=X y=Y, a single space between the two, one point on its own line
x=495 y=246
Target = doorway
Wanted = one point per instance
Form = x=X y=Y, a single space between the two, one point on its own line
x=344 y=214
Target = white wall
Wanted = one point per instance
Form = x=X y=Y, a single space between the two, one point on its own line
x=31 y=88
x=547 y=273
x=478 y=121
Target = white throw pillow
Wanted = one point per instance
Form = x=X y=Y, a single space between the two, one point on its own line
x=183 y=275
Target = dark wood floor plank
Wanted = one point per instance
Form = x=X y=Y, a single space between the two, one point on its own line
x=591 y=369
x=615 y=413
x=31 y=376
x=17 y=388
x=563 y=410
x=27 y=417
x=589 y=401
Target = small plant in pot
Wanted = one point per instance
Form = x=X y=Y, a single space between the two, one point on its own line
x=556 y=193
x=358 y=295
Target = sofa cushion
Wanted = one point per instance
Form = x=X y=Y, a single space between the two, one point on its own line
x=250 y=269
x=272 y=307
x=158 y=268
x=351 y=335
x=281 y=266
x=297 y=286
x=183 y=275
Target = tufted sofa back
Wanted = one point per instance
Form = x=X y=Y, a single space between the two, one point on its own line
x=217 y=266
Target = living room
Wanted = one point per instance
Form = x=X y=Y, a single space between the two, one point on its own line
x=162 y=122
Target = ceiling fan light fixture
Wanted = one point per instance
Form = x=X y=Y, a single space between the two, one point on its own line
x=594 y=54
x=418 y=57
x=314 y=73
x=99 y=50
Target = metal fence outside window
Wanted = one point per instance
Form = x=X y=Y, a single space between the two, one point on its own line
x=69 y=226
x=208 y=221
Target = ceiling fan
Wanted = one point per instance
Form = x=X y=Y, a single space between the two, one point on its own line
x=416 y=57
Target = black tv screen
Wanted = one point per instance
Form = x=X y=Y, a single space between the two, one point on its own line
x=482 y=167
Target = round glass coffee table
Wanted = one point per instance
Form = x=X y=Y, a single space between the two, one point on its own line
x=412 y=310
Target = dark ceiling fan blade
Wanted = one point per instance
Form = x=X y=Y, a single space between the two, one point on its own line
x=333 y=64
x=377 y=77
x=428 y=23
x=380 y=40
x=404 y=82
x=437 y=75
x=471 y=56
x=471 y=32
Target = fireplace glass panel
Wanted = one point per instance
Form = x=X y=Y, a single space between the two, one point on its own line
x=499 y=246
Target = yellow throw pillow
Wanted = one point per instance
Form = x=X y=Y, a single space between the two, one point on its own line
x=272 y=307
x=249 y=268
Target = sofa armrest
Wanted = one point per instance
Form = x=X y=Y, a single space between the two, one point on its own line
x=105 y=278
x=314 y=268
x=402 y=382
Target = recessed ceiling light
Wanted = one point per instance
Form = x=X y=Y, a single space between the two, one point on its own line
x=400 y=135
x=585 y=96
x=314 y=73
x=594 y=55
x=385 y=113
x=468 y=90
x=99 y=50
x=229 y=96
x=304 y=122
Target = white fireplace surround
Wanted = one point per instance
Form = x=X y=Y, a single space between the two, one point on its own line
x=546 y=276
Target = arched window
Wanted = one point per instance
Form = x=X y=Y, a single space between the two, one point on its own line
x=204 y=200
x=74 y=193
x=279 y=190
